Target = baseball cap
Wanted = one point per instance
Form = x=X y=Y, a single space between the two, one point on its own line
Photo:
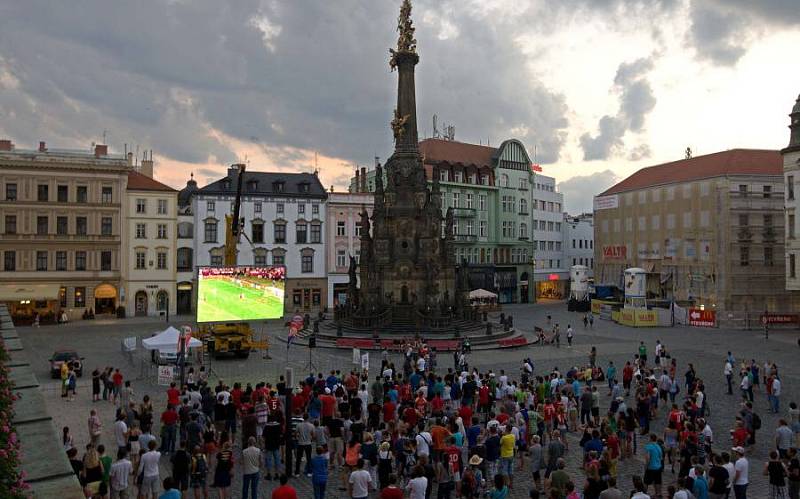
x=738 y=449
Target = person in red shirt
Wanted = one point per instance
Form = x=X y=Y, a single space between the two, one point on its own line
x=173 y=395
x=299 y=401
x=483 y=399
x=676 y=416
x=465 y=412
x=627 y=377
x=410 y=416
x=328 y=406
x=388 y=410
x=169 y=421
x=549 y=415
x=392 y=491
x=437 y=406
x=284 y=491
x=116 y=379
x=236 y=395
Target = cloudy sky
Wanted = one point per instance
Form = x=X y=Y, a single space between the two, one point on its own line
x=598 y=88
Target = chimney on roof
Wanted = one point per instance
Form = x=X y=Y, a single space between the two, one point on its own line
x=233 y=170
x=100 y=150
x=146 y=168
x=42 y=146
x=358 y=181
x=363 y=179
x=130 y=158
x=6 y=145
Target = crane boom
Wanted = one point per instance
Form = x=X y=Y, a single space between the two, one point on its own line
x=232 y=223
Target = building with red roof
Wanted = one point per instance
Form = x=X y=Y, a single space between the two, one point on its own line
x=708 y=230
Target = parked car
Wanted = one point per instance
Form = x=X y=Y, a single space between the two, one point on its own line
x=65 y=355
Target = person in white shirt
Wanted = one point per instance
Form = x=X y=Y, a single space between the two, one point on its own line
x=421 y=364
x=775 y=399
x=148 y=468
x=251 y=465
x=360 y=482
x=729 y=376
x=639 y=488
x=118 y=476
x=121 y=432
x=423 y=440
x=729 y=467
x=417 y=485
x=740 y=474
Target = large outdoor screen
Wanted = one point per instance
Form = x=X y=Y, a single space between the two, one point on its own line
x=226 y=294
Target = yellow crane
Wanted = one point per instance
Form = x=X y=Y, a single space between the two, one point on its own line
x=235 y=338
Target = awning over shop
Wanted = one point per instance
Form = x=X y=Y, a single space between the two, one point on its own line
x=19 y=292
x=481 y=294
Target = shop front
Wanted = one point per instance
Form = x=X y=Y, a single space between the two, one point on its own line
x=26 y=301
x=554 y=287
x=305 y=295
x=105 y=299
x=506 y=283
x=185 y=298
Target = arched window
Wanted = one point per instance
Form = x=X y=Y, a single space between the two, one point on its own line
x=503 y=180
x=523 y=205
x=523 y=230
x=162 y=299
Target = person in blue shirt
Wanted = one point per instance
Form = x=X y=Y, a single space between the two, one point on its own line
x=473 y=433
x=700 y=487
x=319 y=473
x=653 y=468
x=170 y=492
x=611 y=373
x=595 y=444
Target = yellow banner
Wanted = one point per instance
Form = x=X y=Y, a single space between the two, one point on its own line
x=646 y=318
x=627 y=317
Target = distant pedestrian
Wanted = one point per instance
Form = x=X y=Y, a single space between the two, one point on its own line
x=149 y=472
x=121 y=470
x=585 y=321
x=95 y=427
x=591 y=321
x=95 y=385
x=251 y=465
x=570 y=334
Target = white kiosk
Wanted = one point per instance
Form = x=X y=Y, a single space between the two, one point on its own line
x=635 y=288
x=579 y=289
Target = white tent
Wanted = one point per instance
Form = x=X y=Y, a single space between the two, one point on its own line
x=481 y=294
x=167 y=341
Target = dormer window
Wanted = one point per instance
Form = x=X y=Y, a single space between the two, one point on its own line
x=305 y=187
x=277 y=186
x=226 y=184
x=252 y=185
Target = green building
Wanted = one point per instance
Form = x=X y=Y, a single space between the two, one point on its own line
x=491 y=193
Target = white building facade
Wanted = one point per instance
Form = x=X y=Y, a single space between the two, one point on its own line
x=344 y=239
x=284 y=216
x=551 y=273
x=579 y=240
x=150 y=231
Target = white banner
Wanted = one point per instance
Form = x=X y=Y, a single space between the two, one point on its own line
x=365 y=360
x=356 y=356
x=165 y=375
x=606 y=202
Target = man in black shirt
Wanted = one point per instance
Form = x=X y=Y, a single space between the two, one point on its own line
x=717 y=479
x=273 y=437
x=180 y=467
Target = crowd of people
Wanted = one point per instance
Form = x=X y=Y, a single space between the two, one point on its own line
x=453 y=431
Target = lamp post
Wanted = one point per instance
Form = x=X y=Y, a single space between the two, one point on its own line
x=182 y=355
x=167 y=307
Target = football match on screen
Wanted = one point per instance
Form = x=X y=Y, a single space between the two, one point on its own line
x=227 y=294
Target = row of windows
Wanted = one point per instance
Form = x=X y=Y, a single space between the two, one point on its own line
x=548 y=264
x=280 y=208
x=341 y=228
x=509 y=205
x=589 y=262
x=543 y=225
x=278 y=258
x=80 y=227
x=304 y=233
x=547 y=206
x=468 y=201
x=162 y=206
x=548 y=245
x=492 y=255
x=582 y=244
x=140 y=259
x=458 y=177
x=704 y=188
x=768 y=255
x=59 y=261
x=62 y=193
x=161 y=231
x=545 y=187
x=342 y=260
x=655 y=222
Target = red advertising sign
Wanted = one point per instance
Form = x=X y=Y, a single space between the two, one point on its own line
x=536 y=167
x=779 y=318
x=615 y=252
x=702 y=318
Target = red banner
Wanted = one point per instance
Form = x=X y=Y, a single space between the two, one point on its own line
x=779 y=318
x=702 y=318
x=617 y=252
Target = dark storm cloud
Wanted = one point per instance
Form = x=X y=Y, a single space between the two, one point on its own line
x=304 y=74
x=580 y=191
x=636 y=101
x=721 y=29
